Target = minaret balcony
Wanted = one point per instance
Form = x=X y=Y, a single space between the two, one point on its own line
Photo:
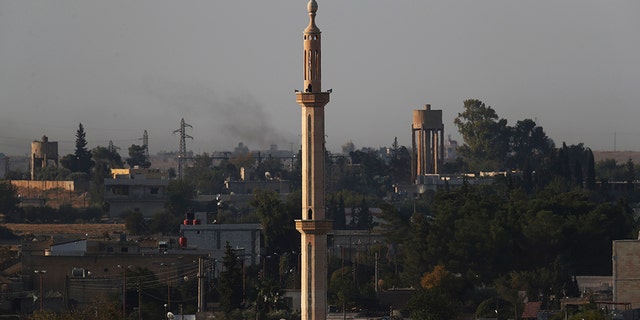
x=312 y=99
x=314 y=226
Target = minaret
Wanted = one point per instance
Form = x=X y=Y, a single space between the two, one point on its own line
x=313 y=226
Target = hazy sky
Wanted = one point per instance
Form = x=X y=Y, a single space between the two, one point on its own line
x=229 y=68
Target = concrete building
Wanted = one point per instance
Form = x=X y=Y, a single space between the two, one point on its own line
x=313 y=225
x=427 y=142
x=136 y=189
x=43 y=153
x=450 y=149
x=626 y=274
x=250 y=186
x=211 y=239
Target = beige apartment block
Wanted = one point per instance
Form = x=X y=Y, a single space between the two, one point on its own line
x=626 y=272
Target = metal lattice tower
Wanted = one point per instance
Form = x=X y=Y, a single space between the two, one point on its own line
x=182 y=152
x=111 y=147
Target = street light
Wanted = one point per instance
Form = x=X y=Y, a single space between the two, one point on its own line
x=41 y=274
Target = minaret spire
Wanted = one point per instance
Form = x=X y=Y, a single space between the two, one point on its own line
x=312 y=65
x=313 y=225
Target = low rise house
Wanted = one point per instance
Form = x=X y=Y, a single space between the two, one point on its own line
x=136 y=189
x=210 y=237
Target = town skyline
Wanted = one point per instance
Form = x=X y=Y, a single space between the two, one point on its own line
x=230 y=70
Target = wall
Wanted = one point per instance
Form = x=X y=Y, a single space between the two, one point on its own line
x=626 y=274
x=44 y=185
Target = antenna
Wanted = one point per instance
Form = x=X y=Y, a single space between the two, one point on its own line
x=182 y=152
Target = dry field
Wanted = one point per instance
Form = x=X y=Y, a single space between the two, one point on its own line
x=93 y=230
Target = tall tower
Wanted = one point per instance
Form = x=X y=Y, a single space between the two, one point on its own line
x=182 y=153
x=313 y=226
x=42 y=152
x=427 y=142
x=145 y=144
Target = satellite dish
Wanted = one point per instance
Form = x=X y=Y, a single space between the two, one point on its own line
x=170 y=315
x=267 y=175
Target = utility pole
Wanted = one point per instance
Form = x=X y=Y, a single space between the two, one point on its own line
x=41 y=274
x=139 y=299
x=124 y=290
x=200 y=285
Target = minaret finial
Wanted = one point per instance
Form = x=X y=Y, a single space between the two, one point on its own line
x=312 y=7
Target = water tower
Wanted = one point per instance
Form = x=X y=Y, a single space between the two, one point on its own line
x=427 y=142
x=43 y=153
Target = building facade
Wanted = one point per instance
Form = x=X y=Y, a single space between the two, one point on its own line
x=135 y=189
x=211 y=238
x=626 y=274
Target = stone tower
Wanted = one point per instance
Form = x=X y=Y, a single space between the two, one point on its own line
x=313 y=226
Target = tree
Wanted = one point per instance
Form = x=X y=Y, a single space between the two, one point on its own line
x=135 y=223
x=432 y=304
x=364 y=219
x=80 y=160
x=591 y=172
x=577 y=173
x=435 y=278
x=52 y=173
x=9 y=199
x=108 y=158
x=528 y=144
x=138 y=156
x=416 y=249
x=341 y=216
x=276 y=220
x=181 y=192
x=230 y=281
x=206 y=178
x=343 y=291
x=486 y=139
x=400 y=165
x=164 y=223
x=105 y=159
x=369 y=173
x=630 y=174
x=84 y=163
x=272 y=166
